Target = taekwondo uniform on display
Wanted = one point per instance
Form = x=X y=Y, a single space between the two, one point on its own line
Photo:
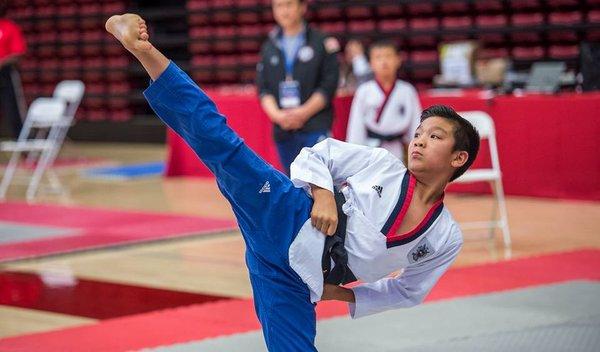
x=384 y=119
x=283 y=250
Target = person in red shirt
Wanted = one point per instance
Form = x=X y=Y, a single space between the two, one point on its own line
x=12 y=48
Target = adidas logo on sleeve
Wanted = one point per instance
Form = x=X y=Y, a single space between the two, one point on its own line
x=266 y=188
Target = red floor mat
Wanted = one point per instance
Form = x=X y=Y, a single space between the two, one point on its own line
x=96 y=228
x=209 y=320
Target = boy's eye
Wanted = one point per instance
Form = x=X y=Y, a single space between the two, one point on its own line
x=416 y=135
x=434 y=136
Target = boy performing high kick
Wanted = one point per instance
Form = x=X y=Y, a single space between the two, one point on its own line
x=390 y=217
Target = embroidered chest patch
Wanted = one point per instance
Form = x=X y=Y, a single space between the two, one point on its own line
x=421 y=251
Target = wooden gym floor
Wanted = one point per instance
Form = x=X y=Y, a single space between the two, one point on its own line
x=214 y=264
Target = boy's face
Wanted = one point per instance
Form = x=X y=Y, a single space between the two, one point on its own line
x=288 y=12
x=431 y=149
x=385 y=62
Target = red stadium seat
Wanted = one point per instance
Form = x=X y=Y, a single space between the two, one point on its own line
x=358 y=12
x=69 y=9
x=199 y=47
x=361 y=26
x=249 y=3
x=46 y=11
x=68 y=24
x=198 y=5
x=119 y=87
x=562 y=36
x=203 y=61
x=394 y=25
x=422 y=40
x=528 y=53
x=526 y=37
x=456 y=22
x=491 y=21
x=423 y=24
x=249 y=59
x=113 y=7
x=248 y=17
x=563 y=52
x=594 y=16
x=425 y=56
x=333 y=28
x=527 y=19
x=454 y=7
x=329 y=13
x=559 y=3
x=90 y=9
x=389 y=10
x=68 y=51
x=492 y=38
x=525 y=4
x=424 y=8
x=565 y=18
x=489 y=53
x=120 y=115
x=203 y=32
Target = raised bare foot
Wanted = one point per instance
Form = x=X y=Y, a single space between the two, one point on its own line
x=131 y=30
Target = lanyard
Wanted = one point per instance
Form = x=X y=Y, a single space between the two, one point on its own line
x=290 y=61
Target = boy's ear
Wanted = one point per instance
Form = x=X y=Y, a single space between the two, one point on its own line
x=459 y=158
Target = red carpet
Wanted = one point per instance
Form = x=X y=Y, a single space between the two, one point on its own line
x=96 y=228
x=236 y=316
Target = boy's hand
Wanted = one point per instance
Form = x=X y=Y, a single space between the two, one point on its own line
x=324 y=211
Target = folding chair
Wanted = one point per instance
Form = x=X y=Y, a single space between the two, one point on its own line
x=71 y=91
x=46 y=117
x=485 y=125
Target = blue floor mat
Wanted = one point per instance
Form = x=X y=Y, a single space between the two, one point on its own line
x=127 y=172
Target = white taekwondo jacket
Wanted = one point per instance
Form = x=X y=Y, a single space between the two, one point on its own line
x=397 y=112
x=378 y=189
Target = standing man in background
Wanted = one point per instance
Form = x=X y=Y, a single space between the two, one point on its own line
x=12 y=47
x=297 y=77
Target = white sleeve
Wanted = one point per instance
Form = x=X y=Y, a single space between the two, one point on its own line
x=415 y=110
x=357 y=131
x=408 y=290
x=330 y=163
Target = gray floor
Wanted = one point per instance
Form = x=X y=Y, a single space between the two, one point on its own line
x=13 y=232
x=561 y=317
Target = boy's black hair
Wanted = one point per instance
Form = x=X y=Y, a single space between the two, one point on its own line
x=466 y=136
x=384 y=43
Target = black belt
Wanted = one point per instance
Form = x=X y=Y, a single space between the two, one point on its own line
x=334 y=249
x=384 y=137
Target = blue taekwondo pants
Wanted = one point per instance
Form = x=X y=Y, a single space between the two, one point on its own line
x=269 y=209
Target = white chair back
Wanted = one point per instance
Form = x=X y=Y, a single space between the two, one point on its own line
x=46 y=111
x=485 y=126
x=482 y=122
x=72 y=92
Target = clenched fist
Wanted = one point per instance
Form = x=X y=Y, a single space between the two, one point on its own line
x=324 y=215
